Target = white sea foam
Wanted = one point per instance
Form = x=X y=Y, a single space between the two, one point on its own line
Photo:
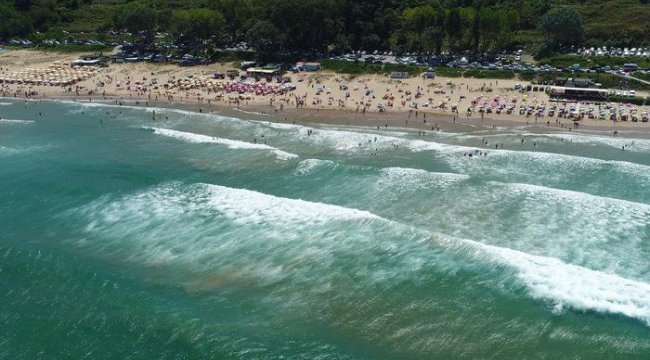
x=151 y=215
x=239 y=205
x=580 y=228
x=16 y=121
x=250 y=112
x=551 y=165
x=586 y=201
x=347 y=140
x=232 y=144
x=6 y=103
x=7 y=150
x=309 y=165
x=574 y=286
x=209 y=227
x=245 y=206
x=615 y=142
x=418 y=178
x=142 y=107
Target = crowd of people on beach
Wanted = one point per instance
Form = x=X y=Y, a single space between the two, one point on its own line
x=460 y=98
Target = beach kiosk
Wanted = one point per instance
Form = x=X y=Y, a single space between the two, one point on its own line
x=399 y=75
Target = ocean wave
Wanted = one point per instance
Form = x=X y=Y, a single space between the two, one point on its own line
x=417 y=178
x=308 y=166
x=544 y=165
x=347 y=140
x=614 y=142
x=16 y=121
x=589 y=230
x=6 y=103
x=246 y=206
x=250 y=112
x=7 y=150
x=232 y=144
x=265 y=227
x=586 y=201
x=576 y=287
x=205 y=228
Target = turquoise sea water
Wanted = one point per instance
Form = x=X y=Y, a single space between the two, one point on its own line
x=184 y=239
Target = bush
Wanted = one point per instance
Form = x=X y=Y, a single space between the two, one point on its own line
x=449 y=72
x=357 y=67
x=598 y=61
x=629 y=100
x=489 y=74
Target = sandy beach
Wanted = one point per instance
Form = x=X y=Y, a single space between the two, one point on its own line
x=323 y=97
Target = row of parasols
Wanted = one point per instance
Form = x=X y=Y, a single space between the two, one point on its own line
x=54 y=75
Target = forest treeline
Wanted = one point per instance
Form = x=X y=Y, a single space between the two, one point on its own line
x=423 y=26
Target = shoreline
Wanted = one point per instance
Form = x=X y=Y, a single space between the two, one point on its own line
x=445 y=104
x=346 y=117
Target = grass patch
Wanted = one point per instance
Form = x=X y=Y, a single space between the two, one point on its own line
x=358 y=68
x=66 y=48
x=449 y=72
x=642 y=76
x=598 y=61
x=76 y=48
x=629 y=100
x=606 y=80
x=489 y=74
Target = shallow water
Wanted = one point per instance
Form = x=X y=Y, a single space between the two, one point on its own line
x=205 y=236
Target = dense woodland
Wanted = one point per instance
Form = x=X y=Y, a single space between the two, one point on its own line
x=424 y=26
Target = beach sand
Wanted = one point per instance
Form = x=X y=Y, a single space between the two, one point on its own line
x=320 y=97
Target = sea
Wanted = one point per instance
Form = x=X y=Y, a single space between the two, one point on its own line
x=130 y=232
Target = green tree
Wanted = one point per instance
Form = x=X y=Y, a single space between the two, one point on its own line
x=490 y=27
x=476 y=30
x=238 y=15
x=264 y=37
x=13 y=23
x=135 y=18
x=563 y=26
x=453 y=28
x=415 y=21
x=198 y=24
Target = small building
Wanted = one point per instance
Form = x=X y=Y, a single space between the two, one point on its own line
x=399 y=75
x=580 y=83
x=430 y=73
x=247 y=64
x=257 y=72
x=576 y=93
x=88 y=60
x=308 y=66
x=630 y=67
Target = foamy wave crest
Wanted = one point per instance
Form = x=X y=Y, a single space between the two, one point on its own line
x=574 y=286
x=346 y=140
x=6 y=150
x=230 y=235
x=585 y=201
x=598 y=232
x=232 y=144
x=615 y=142
x=419 y=178
x=6 y=103
x=551 y=166
x=250 y=112
x=239 y=205
x=310 y=165
x=245 y=206
x=214 y=229
x=16 y=122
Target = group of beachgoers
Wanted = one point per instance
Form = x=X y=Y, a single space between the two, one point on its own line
x=468 y=98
